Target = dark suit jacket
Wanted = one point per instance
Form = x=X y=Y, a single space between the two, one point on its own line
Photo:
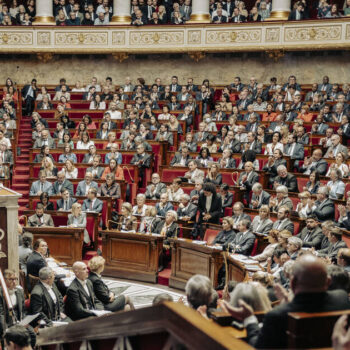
x=314 y=240
x=60 y=203
x=346 y=222
x=177 y=159
x=228 y=201
x=113 y=191
x=79 y=304
x=160 y=188
x=251 y=180
x=35 y=262
x=321 y=167
x=287 y=225
x=215 y=208
x=146 y=160
x=190 y=211
x=273 y=333
x=264 y=200
x=66 y=185
x=98 y=205
x=41 y=302
x=171 y=232
x=100 y=288
x=325 y=210
x=245 y=243
x=332 y=250
x=224 y=237
x=162 y=212
x=223 y=19
x=290 y=182
x=298 y=152
x=293 y=16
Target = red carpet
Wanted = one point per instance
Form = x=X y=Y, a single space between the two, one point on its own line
x=163 y=277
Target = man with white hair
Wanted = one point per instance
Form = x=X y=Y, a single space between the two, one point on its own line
x=336 y=148
x=199 y=290
x=85 y=185
x=81 y=300
x=323 y=207
x=259 y=197
x=46 y=299
x=62 y=184
x=286 y=179
x=186 y=210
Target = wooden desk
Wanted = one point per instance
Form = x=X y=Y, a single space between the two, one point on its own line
x=189 y=259
x=131 y=255
x=65 y=243
x=236 y=271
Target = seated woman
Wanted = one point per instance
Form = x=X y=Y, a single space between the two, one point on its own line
x=78 y=219
x=66 y=139
x=145 y=132
x=114 y=154
x=283 y=238
x=303 y=208
x=269 y=115
x=268 y=251
x=275 y=144
x=60 y=112
x=154 y=124
x=225 y=103
x=281 y=199
x=110 y=188
x=45 y=201
x=262 y=223
x=126 y=221
x=44 y=152
x=96 y=103
x=314 y=183
x=163 y=205
x=175 y=191
x=49 y=168
x=340 y=163
x=140 y=207
x=304 y=113
x=67 y=123
x=110 y=301
x=114 y=169
x=147 y=112
x=69 y=169
x=165 y=115
x=67 y=154
x=174 y=125
x=111 y=138
x=64 y=103
x=102 y=134
x=227 y=234
x=80 y=129
x=204 y=157
x=211 y=144
x=167 y=228
x=90 y=125
x=84 y=141
x=213 y=175
x=150 y=221
x=336 y=186
x=272 y=164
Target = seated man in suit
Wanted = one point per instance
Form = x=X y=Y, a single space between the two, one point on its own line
x=336 y=148
x=259 y=196
x=156 y=188
x=336 y=243
x=314 y=163
x=89 y=157
x=294 y=150
x=66 y=201
x=247 y=179
x=96 y=170
x=62 y=184
x=309 y=283
x=281 y=199
x=344 y=215
x=46 y=299
x=81 y=300
x=238 y=214
x=41 y=185
x=92 y=203
x=44 y=140
x=286 y=179
x=181 y=158
x=323 y=207
x=85 y=185
x=194 y=174
x=163 y=205
x=283 y=222
x=36 y=260
x=39 y=219
x=226 y=197
x=186 y=211
x=243 y=241
x=311 y=235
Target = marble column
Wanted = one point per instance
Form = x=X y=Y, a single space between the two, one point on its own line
x=200 y=12
x=280 y=10
x=44 y=13
x=121 y=12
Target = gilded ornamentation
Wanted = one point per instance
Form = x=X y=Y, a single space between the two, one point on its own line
x=118 y=38
x=16 y=38
x=159 y=38
x=233 y=36
x=82 y=38
x=323 y=33
x=276 y=55
x=272 y=34
x=43 y=38
x=120 y=56
x=196 y=56
x=44 y=56
x=194 y=37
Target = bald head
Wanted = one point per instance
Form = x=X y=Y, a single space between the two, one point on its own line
x=80 y=270
x=309 y=275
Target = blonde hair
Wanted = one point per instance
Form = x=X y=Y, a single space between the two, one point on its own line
x=75 y=206
x=96 y=263
x=50 y=167
x=229 y=220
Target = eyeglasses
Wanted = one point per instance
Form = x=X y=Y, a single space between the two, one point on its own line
x=12 y=279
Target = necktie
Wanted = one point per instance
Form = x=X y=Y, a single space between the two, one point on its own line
x=90 y=205
x=41 y=187
x=307 y=237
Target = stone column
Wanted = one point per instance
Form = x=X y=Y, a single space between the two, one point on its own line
x=200 y=12
x=280 y=10
x=44 y=13
x=121 y=12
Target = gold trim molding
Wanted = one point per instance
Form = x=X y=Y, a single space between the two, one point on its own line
x=196 y=56
x=276 y=55
x=199 y=18
x=120 y=20
x=120 y=56
x=44 y=20
x=278 y=16
x=44 y=57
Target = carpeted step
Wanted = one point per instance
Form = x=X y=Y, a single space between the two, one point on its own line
x=163 y=277
x=90 y=254
x=22 y=202
x=22 y=170
x=21 y=180
x=21 y=186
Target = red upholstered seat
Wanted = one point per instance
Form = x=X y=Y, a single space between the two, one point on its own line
x=210 y=235
x=169 y=175
x=27 y=304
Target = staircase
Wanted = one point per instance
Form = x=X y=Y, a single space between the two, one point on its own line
x=20 y=179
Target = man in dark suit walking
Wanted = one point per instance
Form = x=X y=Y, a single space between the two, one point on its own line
x=28 y=97
x=309 y=283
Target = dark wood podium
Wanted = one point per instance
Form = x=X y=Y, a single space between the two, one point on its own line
x=189 y=259
x=132 y=256
x=65 y=243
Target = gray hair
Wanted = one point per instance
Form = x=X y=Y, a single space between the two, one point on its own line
x=288 y=266
x=257 y=187
x=296 y=241
x=61 y=173
x=173 y=213
x=323 y=190
x=186 y=197
x=281 y=168
x=282 y=189
x=45 y=273
x=141 y=195
x=198 y=290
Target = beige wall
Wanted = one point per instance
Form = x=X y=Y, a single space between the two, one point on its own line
x=217 y=69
